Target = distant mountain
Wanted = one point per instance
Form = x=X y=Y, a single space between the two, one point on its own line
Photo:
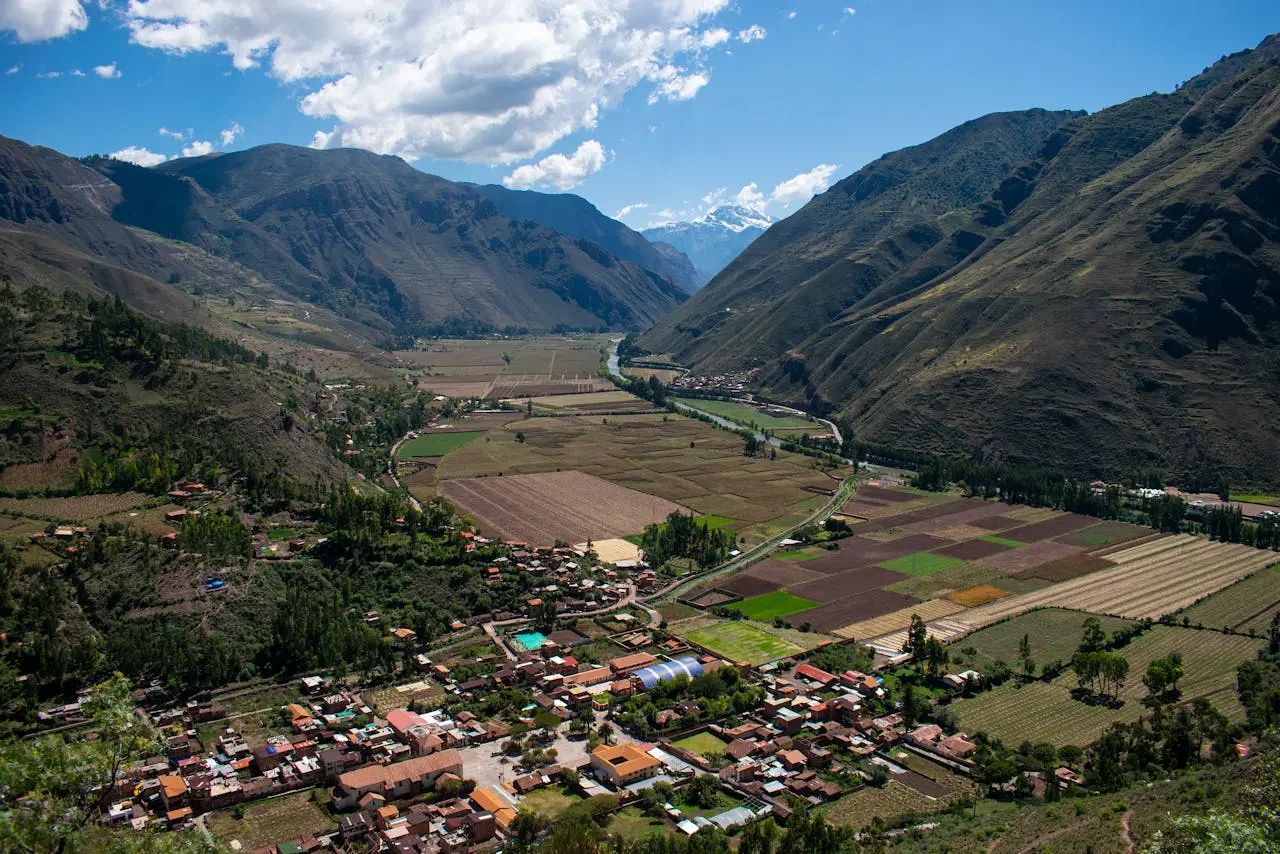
x=715 y=239
x=376 y=245
x=1094 y=293
x=576 y=217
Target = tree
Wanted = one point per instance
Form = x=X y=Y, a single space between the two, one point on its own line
x=1095 y=638
x=704 y=791
x=606 y=732
x=916 y=635
x=54 y=789
x=520 y=436
x=910 y=705
x=935 y=655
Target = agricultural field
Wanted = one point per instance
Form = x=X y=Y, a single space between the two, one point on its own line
x=739 y=642
x=703 y=744
x=679 y=459
x=892 y=803
x=770 y=605
x=542 y=508
x=666 y=376
x=435 y=444
x=271 y=822
x=1246 y=606
x=77 y=508
x=749 y=415
x=1046 y=711
x=921 y=564
x=1148 y=581
x=1054 y=633
x=598 y=401
x=524 y=367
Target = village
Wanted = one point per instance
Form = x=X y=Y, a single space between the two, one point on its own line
x=441 y=774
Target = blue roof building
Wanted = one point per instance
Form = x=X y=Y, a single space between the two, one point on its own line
x=667 y=670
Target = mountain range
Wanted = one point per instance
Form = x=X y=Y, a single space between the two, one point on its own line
x=714 y=239
x=379 y=247
x=1098 y=293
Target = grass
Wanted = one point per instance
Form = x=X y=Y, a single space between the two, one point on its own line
x=550 y=801
x=712 y=521
x=272 y=821
x=1002 y=541
x=737 y=641
x=1258 y=499
x=776 y=604
x=703 y=744
x=892 y=803
x=282 y=533
x=435 y=444
x=1247 y=605
x=1054 y=633
x=631 y=823
x=744 y=414
x=1046 y=711
x=796 y=554
x=921 y=564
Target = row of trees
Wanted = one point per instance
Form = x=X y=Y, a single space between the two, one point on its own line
x=1101 y=672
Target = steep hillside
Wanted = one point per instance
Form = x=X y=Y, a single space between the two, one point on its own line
x=378 y=247
x=892 y=196
x=377 y=235
x=1113 y=302
x=713 y=240
x=576 y=217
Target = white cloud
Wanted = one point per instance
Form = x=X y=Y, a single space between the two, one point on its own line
x=229 y=135
x=715 y=197
x=50 y=75
x=750 y=197
x=624 y=211
x=490 y=82
x=76 y=72
x=197 y=148
x=37 y=20
x=675 y=86
x=14 y=69
x=753 y=33
x=802 y=187
x=791 y=16
x=173 y=134
x=849 y=10
x=139 y=156
x=559 y=171
x=107 y=72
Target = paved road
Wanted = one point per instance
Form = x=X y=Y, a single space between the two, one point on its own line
x=391 y=470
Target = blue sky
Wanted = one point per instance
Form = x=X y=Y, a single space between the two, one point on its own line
x=661 y=108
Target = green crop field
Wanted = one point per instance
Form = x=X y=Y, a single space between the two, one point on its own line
x=435 y=444
x=703 y=744
x=921 y=564
x=1258 y=499
x=746 y=415
x=796 y=554
x=1054 y=634
x=1003 y=541
x=1046 y=711
x=1247 y=605
x=737 y=641
x=776 y=604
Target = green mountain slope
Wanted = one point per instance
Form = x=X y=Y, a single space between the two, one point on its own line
x=1113 y=303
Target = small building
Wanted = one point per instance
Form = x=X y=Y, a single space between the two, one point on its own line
x=397 y=780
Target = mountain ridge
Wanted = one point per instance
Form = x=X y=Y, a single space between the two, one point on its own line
x=714 y=239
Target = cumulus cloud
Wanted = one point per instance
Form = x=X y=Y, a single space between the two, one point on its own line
x=559 y=171
x=197 y=148
x=753 y=33
x=750 y=197
x=37 y=20
x=139 y=156
x=489 y=82
x=76 y=72
x=107 y=72
x=229 y=135
x=623 y=211
x=173 y=134
x=802 y=187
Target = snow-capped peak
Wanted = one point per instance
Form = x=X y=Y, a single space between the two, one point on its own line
x=736 y=218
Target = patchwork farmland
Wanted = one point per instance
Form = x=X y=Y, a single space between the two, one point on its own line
x=684 y=461
x=962 y=564
x=508 y=369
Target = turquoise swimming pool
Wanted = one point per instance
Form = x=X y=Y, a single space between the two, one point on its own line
x=531 y=641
